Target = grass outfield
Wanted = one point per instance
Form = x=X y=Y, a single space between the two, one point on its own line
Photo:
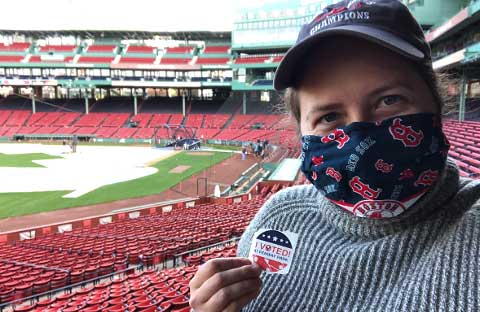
x=23 y=160
x=16 y=204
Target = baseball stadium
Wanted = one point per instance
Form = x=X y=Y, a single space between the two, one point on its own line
x=131 y=155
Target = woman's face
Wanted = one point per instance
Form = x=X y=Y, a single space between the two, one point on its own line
x=354 y=80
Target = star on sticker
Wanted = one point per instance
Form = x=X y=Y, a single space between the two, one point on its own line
x=268 y=236
x=281 y=240
x=275 y=238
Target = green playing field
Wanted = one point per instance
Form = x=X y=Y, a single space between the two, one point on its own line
x=15 y=204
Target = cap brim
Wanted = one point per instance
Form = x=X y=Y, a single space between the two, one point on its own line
x=285 y=71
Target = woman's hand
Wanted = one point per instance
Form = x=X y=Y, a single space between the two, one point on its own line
x=225 y=284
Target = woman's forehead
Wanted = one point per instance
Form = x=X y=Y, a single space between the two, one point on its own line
x=354 y=59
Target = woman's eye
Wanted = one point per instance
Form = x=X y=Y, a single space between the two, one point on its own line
x=329 y=117
x=391 y=99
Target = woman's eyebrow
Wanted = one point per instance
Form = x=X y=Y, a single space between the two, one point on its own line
x=320 y=108
x=389 y=86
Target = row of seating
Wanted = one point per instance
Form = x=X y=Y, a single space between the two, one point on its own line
x=106 y=54
x=23 y=46
x=149 y=290
x=49 y=262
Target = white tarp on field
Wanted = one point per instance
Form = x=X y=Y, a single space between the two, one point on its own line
x=90 y=168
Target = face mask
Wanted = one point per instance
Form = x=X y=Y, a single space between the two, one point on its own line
x=377 y=170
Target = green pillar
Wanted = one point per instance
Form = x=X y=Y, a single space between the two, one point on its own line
x=135 y=109
x=183 y=104
x=461 y=109
x=34 y=108
x=86 y=102
x=244 y=102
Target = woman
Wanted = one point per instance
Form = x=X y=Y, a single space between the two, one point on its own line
x=387 y=224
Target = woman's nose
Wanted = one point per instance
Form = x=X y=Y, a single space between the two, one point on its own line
x=361 y=116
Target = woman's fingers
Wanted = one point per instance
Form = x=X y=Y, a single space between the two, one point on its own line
x=228 y=283
x=214 y=266
x=231 y=294
x=222 y=280
x=238 y=304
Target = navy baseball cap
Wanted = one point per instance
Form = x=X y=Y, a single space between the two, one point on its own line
x=388 y=23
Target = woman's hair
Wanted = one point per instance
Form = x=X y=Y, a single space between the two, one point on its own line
x=437 y=83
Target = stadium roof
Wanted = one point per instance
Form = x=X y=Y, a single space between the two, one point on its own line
x=126 y=34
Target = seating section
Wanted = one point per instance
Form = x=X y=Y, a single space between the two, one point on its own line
x=176 y=119
x=277 y=59
x=159 y=120
x=194 y=120
x=4 y=115
x=11 y=58
x=241 y=121
x=252 y=60
x=212 y=61
x=464 y=141
x=143 y=119
x=17 y=118
x=175 y=61
x=215 y=121
x=140 y=49
x=58 y=48
x=95 y=59
x=116 y=120
x=16 y=47
x=66 y=119
x=179 y=50
x=91 y=120
x=216 y=49
x=101 y=48
x=137 y=60
x=124 y=133
x=38 y=59
x=49 y=262
x=149 y=290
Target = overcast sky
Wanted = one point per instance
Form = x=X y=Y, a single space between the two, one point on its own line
x=153 y=15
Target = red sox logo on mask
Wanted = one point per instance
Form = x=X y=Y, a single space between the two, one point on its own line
x=427 y=178
x=406 y=174
x=317 y=160
x=405 y=134
x=363 y=189
x=338 y=136
x=334 y=174
x=382 y=166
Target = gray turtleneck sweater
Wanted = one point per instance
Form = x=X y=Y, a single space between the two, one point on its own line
x=426 y=259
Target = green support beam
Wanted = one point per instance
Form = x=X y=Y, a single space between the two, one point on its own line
x=34 y=108
x=461 y=109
